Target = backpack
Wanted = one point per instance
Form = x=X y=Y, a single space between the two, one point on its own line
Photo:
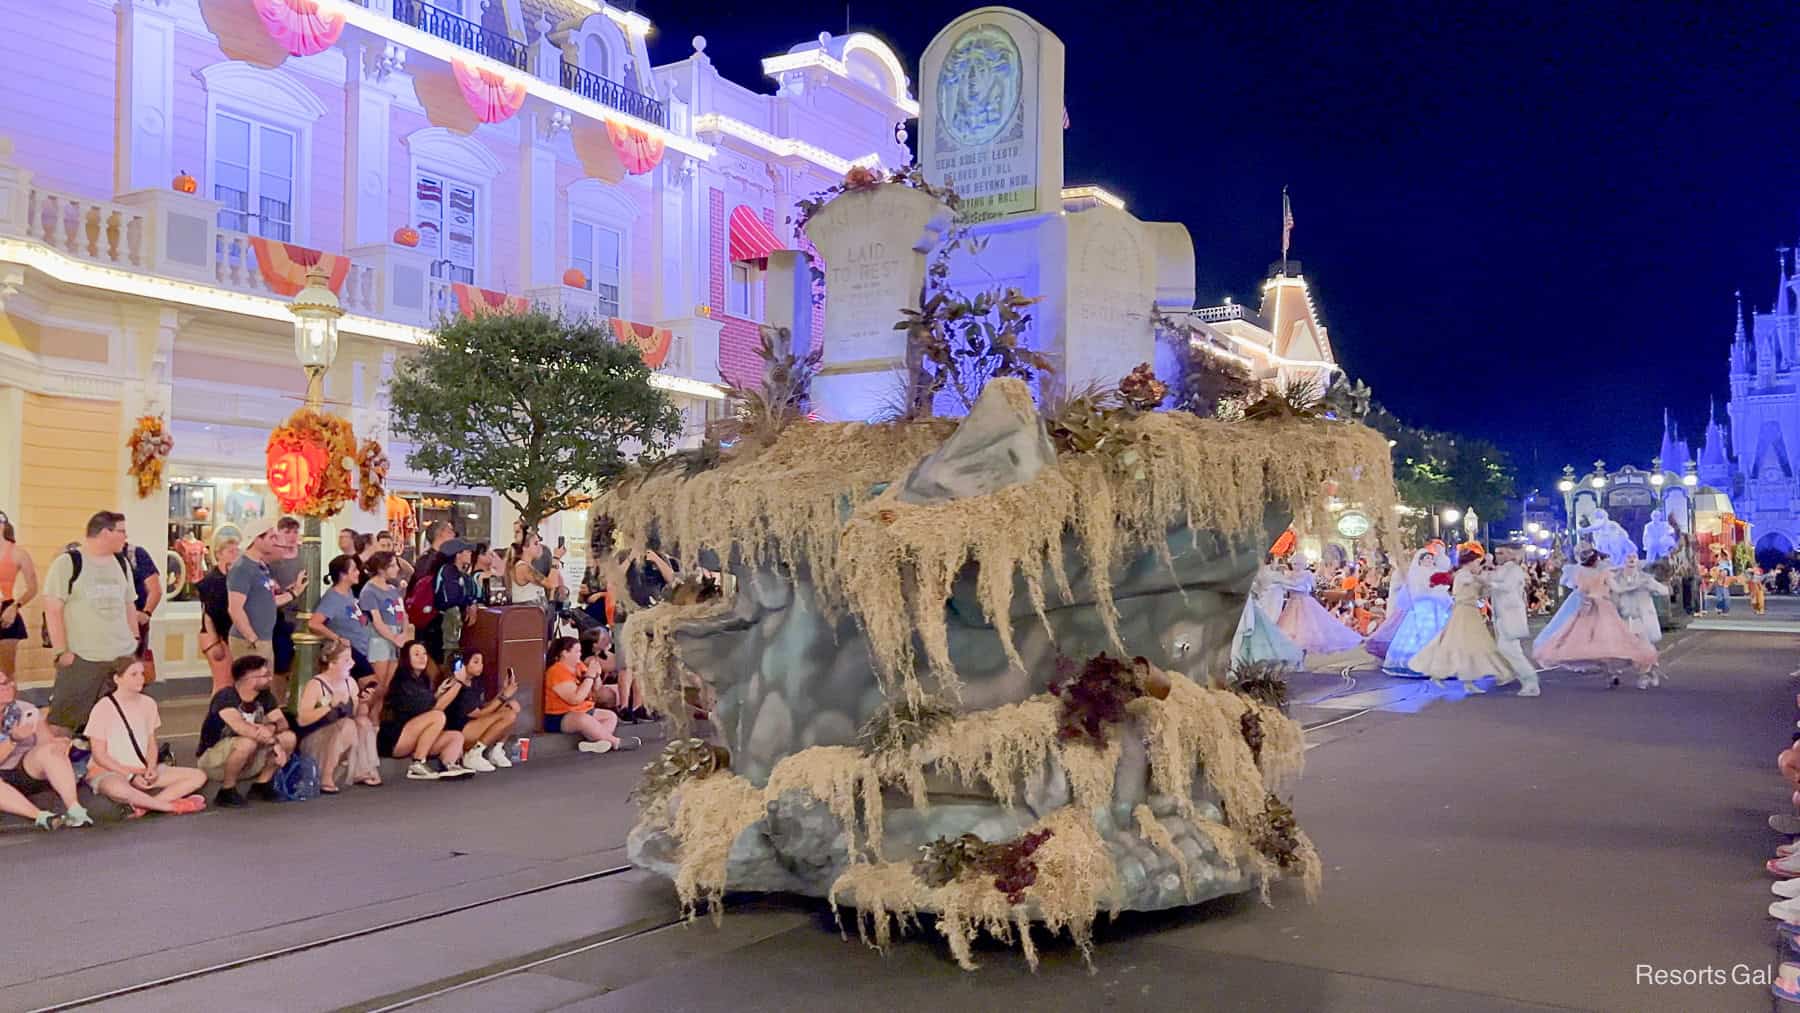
x=73 y=551
x=421 y=603
x=297 y=780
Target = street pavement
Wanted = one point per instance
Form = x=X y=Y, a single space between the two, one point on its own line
x=1482 y=853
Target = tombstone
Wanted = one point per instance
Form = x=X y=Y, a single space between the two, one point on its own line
x=1111 y=291
x=874 y=244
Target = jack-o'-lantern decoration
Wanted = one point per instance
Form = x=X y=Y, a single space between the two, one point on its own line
x=295 y=470
x=574 y=278
x=185 y=183
x=311 y=463
x=406 y=236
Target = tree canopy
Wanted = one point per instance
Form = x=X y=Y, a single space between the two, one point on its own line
x=1435 y=469
x=534 y=406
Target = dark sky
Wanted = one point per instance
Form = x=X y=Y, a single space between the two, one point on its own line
x=1525 y=224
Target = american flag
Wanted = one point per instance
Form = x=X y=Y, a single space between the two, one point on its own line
x=1287 y=222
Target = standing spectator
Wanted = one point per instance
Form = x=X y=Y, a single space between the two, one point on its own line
x=347 y=541
x=15 y=562
x=1784 y=579
x=339 y=618
x=88 y=596
x=455 y=596
x=336 y=728
x=439 y=535
x=215 y=612
x=569 y=686
x=527 y=584
x=254 y=595
x=384 y=542
x=284 y=564
x=124 y=767
x=32 y=760
x=413 y=723
x=147 y=591
x=245 y=734
x=381 y=602
x=484 y=726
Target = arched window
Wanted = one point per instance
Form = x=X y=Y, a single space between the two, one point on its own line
x=597 y=58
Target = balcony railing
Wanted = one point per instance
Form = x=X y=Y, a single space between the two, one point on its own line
x=1220 y=314
x=462 y=32
x=614 y=95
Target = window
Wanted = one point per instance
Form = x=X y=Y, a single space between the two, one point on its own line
x=253 y=177
x=445 y=211
x=740 y=295
x=595 y=251
x=596 y=58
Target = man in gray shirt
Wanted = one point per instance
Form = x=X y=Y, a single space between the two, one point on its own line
x=254 y=594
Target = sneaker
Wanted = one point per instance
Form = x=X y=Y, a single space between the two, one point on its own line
x=1530 y=690
x=420 y=771
x=1786 y=867
x=77 y=816
x=497 y=755
x=1787 y=983
x=627 y=743
x=230 y=798
x=1781 y=823
x=47 y=820
x=1788 y=888
x=1643 y=682
x=264 y=791
x=452 y=770
x=477 y=762
x=595 y=747
x=1784 y=850
x=1786 y=910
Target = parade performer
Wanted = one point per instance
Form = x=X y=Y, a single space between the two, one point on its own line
x=1596 y=637
x=1399 y=601
x=1428 y=586
x=1463 y=649
x=1609 y=536
x=1659 y=536
x=1259 y=638
x=1632 y=589
x=1566 y=611
x=1506 y=585
x=1308 y=625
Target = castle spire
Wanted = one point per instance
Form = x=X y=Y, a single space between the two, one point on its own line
x=1739 y=316
x=1782 y=305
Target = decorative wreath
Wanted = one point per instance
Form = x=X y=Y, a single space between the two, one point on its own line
x=371 y=476
x=310 y=459
x=150 y=443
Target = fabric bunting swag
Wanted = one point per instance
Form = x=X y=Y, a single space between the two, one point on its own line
x=473 y=302
x=298 y=25
x=654 y=342
x=637 y=150
x=284 y=265
x=492 y=97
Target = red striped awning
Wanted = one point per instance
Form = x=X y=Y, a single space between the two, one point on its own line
x=751 y=239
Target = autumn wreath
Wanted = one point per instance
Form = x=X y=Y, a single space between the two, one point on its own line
x=310 y=459
x=371 y=476
x=150 y=443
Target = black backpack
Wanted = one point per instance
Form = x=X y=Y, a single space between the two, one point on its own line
x=75 y=560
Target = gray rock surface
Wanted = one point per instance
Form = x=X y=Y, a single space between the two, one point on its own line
x=1000 y=443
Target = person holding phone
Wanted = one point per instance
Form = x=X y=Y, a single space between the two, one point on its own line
x=335 y=727
x=484 y=726
x=569 y=688
x=413 y=723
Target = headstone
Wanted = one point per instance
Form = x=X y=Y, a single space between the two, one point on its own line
x=788 y=297
x=991 y=113
x=874 y=244
x=1111 y=290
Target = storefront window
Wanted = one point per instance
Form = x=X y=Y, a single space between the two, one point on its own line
x=201 y=510
x=409 y=513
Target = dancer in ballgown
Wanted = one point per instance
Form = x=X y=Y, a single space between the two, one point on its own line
x=1506 y=588
x=1309 y=625
x=1464 y=649
x=1567 y=610
x=1426 y=613
x=1597 y=637
x=1632 y=589
x=1258 y=637
x=1399 y=601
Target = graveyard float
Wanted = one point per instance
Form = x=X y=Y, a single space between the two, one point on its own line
x=974 y=667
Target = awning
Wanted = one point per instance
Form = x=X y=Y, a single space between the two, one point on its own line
x=751 y=239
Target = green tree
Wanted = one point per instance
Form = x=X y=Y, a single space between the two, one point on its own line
x=1435 y=469
x=534 y=406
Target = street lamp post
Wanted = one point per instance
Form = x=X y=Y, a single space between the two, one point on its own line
x=1690 y=480
x=1566 y=486
x=316 y=311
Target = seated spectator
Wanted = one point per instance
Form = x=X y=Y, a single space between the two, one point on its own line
x=121 y=731
x=569 y=688
x=245 y=734
x=33 y=761
x=335 y=725
x=618 y=691
x=339 y=619
x=484 y=726
x=413 y=724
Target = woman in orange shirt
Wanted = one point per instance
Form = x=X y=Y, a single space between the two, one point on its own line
x=569 y=685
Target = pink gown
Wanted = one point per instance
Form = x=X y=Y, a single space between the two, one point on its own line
x=1596 y=637
x=1309 y=626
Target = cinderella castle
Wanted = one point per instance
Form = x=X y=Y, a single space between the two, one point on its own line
x=1752 y=456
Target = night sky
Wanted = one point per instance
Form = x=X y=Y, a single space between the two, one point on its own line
x=1523 y=224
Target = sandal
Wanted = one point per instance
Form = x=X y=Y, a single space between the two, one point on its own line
x=136 y=812
x=371 y=781
x=332 y=790
x=188 y=805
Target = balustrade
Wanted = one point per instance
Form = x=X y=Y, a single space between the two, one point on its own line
x=98 y=231
x=612 y=94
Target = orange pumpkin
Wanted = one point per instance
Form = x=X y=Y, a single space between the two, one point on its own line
x=406 y=235
x=574 y=278
x=185 y=183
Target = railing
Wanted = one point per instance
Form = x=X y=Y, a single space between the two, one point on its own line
x=1220 y=314
x=462 y=32
x=98 y=231
x=614 y=95
x=235 y=268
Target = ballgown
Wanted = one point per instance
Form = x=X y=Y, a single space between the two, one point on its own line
x=1464 y=649
x=1567 y=610
x=1259 y=638
x=1399 y=604
x=1310 y=626
x=1428 y=613
x=1633 y=588
x=1596 y=637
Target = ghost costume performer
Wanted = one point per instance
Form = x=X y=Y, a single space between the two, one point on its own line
x=1259 y=638
x=1425 y=617
x=1463 y=649
x=1309 y=626
x=1597 y=637
x=1633 y=588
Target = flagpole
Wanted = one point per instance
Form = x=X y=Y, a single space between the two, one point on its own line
x=1287 y=216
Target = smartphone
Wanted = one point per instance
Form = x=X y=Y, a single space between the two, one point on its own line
x=562 y=541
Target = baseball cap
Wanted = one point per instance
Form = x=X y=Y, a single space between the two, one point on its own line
x=255 y=528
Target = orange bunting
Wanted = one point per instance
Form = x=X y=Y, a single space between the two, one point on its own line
x=637 y=149
x=473 y=302
x=654 y=342
x=492 y=97
x=284 y=266
x=298 y=25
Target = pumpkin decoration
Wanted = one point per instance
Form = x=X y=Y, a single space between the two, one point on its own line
x=311 y=458
x=574 y=278
x=185 y=183
x=406 y=236
x=150 y=445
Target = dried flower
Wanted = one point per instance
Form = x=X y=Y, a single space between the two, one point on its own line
x=1096 y=697
x=1142 y=390
x=861 y=178
x=681 y=760
x=1275 y=833
x=1251 y=725
x=903 y=724
x=944 y=861
x=1261 y=681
